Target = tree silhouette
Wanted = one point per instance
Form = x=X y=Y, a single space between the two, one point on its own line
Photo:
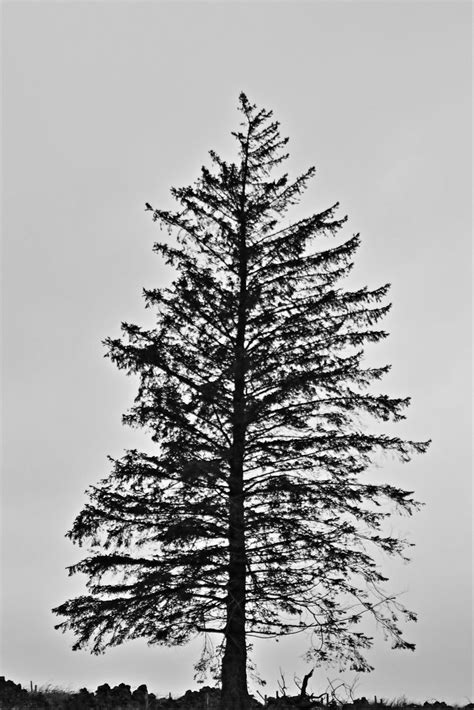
x=251 y=517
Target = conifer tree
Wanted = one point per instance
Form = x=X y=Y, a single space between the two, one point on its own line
x=252 y=516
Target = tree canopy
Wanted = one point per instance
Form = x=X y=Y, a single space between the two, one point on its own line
x=253 y=515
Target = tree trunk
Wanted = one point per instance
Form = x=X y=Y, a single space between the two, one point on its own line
x=234 y=693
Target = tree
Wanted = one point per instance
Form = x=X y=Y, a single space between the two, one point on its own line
x=250 y=517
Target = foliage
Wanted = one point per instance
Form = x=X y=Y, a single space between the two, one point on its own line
x=253 y=387
x=120 y=697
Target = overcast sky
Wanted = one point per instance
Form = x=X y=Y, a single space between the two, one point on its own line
x=108 y=104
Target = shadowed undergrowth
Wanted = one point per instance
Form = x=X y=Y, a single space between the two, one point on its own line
x=121 y=697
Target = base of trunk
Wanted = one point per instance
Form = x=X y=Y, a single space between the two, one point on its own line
x=234 y=693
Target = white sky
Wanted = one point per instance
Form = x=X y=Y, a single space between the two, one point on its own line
x=105 y=106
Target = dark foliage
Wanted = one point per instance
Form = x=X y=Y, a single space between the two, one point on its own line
x=120 y=697
x=252 y=516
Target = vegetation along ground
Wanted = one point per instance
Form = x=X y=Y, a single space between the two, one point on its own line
x=121 y=697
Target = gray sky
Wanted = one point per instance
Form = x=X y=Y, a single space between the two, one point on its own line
x=105 y=106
